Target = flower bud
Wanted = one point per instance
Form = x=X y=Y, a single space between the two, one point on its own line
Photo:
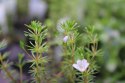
x=65 y=39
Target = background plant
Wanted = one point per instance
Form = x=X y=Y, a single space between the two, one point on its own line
x=37 y=33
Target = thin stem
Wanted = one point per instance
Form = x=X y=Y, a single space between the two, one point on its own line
x=37 y=63
x=37 y=67
x=28 y=54
x=73 y=53
x=37 y=45
x=73 y=49
x=94 y=49
x=7 y=72
x=73 y=58
x=21 y=72
x=85 y=78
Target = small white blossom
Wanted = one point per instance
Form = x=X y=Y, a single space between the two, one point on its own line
x=81 y=65
x=65 y=39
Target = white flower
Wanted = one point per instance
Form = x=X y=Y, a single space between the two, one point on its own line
x=81 y=65
x=65 y=39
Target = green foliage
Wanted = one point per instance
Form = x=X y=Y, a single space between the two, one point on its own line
x=5 y=66
x=37 y=33
x=3 y=44
x=22 y=44
x=72 y=52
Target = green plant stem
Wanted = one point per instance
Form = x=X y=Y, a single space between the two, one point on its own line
x=28 y=54
x=73 y=49
x=37 y=67
x=85 y=78
x=95 y=46
x=21 y=72
x=37 y=57
x=8 y=73
x=5 y=69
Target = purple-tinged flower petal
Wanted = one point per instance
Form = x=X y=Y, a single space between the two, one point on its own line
x=81 y=65
x=65 y=39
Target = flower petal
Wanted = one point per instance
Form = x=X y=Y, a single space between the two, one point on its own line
x=81 y=65
x=65 y=39
x=79 y=62
x=85 y=63
x=76 y=67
